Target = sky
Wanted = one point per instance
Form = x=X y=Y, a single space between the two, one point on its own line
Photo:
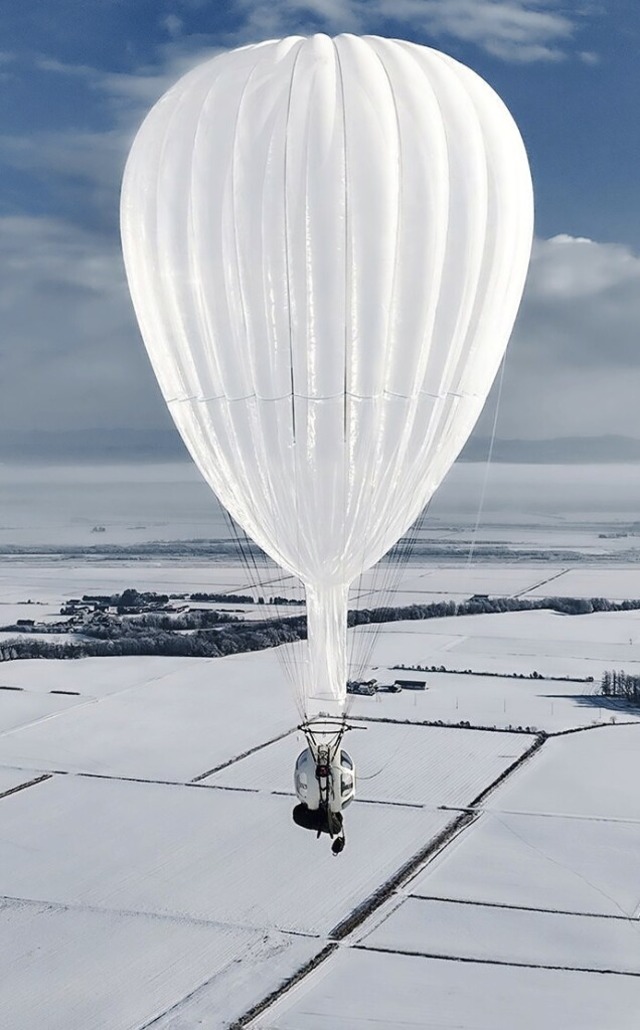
x=78 y=76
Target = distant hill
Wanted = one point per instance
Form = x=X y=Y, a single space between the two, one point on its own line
x=561 y=450
x=164 y=445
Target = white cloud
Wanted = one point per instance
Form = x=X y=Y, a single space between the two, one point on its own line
x=516 y=30
x=71 y=356
x=135 y=92
x=583 y=302
x=573 y=366
x=172 y=24
x=292 y=17
x=574 y=266
x=52 y=64
x=513 y=30
x=88 y=165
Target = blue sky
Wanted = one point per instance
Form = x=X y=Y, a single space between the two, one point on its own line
x=78 y=76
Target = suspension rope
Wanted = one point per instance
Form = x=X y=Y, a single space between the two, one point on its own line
x=487 y=466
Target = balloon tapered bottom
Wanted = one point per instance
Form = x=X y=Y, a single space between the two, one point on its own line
x=325 y=675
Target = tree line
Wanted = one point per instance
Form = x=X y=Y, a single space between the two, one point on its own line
x=496 y=675
x=200 y=644
x=492 y=606
x=620 y=684
x=153 y=633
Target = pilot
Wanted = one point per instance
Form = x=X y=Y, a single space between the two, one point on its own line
x=322 y=820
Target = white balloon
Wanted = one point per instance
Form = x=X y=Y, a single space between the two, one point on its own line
x=326 y=242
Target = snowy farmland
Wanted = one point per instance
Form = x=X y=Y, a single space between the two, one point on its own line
x=358 y=988
x=527 y=919
x=151 y=874
x=211 y=865
x=34 y=587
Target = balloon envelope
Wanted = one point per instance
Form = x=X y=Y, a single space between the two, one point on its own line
x=326 y=242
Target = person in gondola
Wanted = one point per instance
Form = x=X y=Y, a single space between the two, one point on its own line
x=322 y=820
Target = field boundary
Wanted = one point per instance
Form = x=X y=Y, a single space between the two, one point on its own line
x=382 y=894
x=495 y=961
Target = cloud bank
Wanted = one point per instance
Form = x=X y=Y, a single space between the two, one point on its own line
x=71 y=358
x=512 y=30
x=573 y=362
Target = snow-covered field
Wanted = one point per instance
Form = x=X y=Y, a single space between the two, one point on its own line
x=98 y=863
x=93 y=678
x=133 y=896
x=95 y=969
x=496 y=701
x=40 y=611
x=579 y=646
x=50 y=581
x=172 y=725
x=513 y=936
x=588 y=775
x=563 y=833
x=21 y=709
x=197 y=853
x=355 y=989
x=34 y=586
x=560 y=864
x=614 y=583
x=527 y=920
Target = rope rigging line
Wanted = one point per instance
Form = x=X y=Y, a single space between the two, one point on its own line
x=257 y=566
x=487 y=467
x=389 y=758
x=385 y=581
